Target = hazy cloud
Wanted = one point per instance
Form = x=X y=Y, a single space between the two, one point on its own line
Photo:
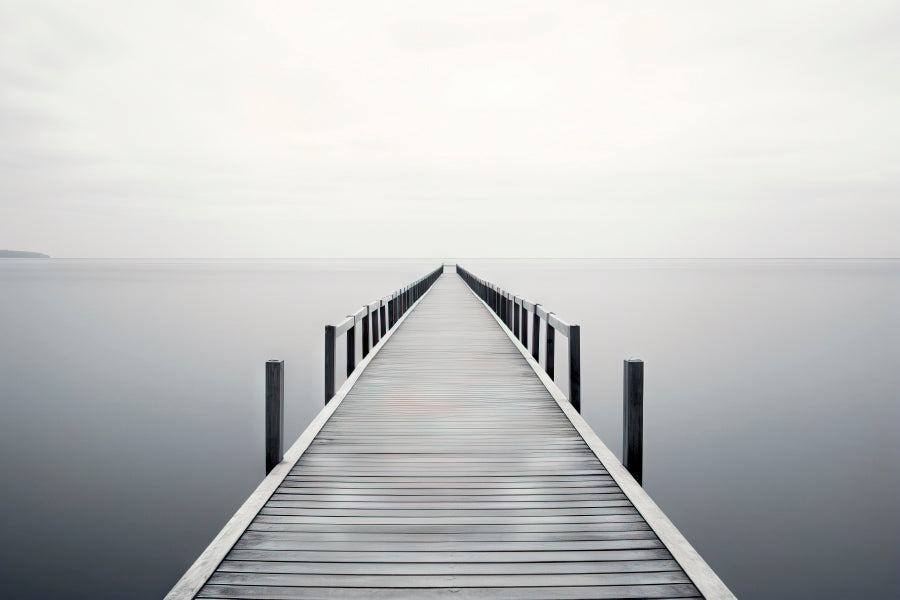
x=455 y=129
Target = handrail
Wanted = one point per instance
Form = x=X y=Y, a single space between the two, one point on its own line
x=374 y=320
x=513 y=311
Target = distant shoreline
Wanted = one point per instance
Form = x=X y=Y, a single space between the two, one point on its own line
x=21 y=254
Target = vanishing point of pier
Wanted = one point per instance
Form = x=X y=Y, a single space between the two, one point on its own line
x=448 y=465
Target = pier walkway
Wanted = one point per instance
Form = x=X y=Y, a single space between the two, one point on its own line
x=449 y=466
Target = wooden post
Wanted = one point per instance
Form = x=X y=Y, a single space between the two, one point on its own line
x=274 y=413
x=329 y=362
x=382 y=317
x=516 y=311
x=536 y=335
x=351 y=349
x=373 y=316
x=524 y=338
x=633 y=412
x=365 y=334
x=549 y=358
x=575 y=366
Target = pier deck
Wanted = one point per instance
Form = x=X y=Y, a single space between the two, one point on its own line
x=448 y=466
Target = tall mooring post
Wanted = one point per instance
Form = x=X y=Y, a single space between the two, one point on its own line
x=633 y=413
x=274 y=413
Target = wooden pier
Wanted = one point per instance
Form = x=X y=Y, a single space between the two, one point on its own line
x=448 y=465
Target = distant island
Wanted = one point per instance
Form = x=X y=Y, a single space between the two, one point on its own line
x=21 y=254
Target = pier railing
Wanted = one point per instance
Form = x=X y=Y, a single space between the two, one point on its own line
x=372 y=321
x=514 y=311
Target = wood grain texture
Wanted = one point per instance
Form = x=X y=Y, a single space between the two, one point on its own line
x=448 y=471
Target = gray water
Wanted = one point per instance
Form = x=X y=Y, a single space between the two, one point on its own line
x=132 y=406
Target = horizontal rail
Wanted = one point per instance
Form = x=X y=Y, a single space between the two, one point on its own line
x=513 y=312
x=344 y=325
x=373 y=321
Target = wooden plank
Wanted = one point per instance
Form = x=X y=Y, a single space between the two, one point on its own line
x=253 y=541
x=495 y=519
x=431 y=556
x=625 y=508
x=447 y=568
x=260 y=592
x=635 y=523
x=454 y=581
x=625 y=532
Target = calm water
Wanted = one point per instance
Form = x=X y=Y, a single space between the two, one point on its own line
x=132 y=406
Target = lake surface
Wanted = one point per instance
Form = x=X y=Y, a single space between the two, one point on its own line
x=132 y=406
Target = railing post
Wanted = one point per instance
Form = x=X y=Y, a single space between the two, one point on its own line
x=524 y=338
x=506 y=316
x=633 y=413
x=382 y=317
x=351 y=348
x=373 y=319
x=536 y=335
x=549 y=355
x=329 y=362
x=274 y=413
x=365 y=334
x=575 y=366
x=516 y=311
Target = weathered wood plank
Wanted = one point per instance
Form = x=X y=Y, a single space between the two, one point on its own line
x=455 y=580
x=448 y=568
x=636 y=523
x=497 y=593
x=378 y=556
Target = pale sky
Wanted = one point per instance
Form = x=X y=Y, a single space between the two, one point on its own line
x=458 y=129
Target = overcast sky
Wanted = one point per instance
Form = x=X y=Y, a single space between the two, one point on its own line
x=454 y=129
